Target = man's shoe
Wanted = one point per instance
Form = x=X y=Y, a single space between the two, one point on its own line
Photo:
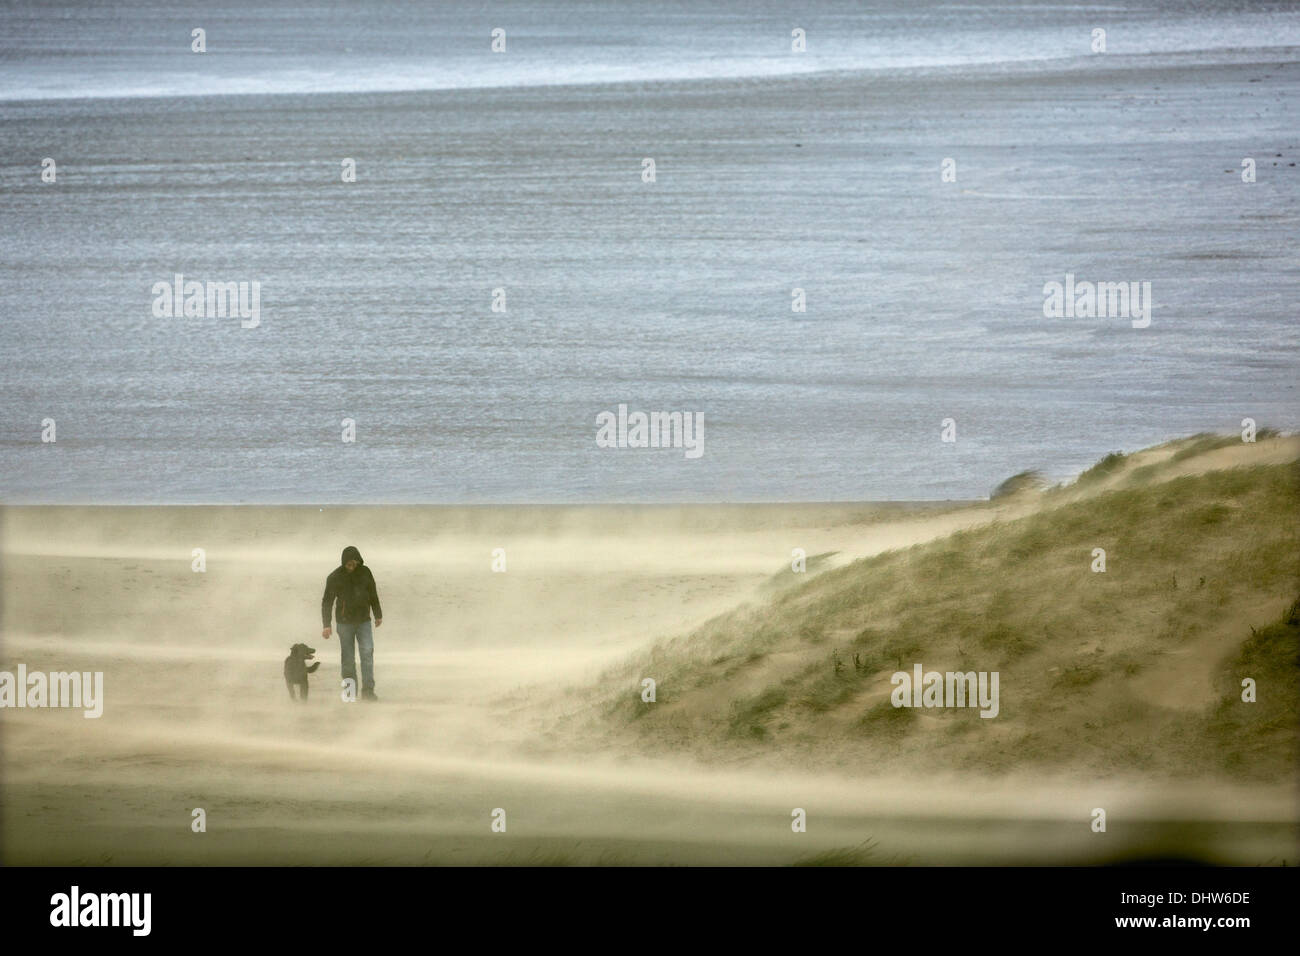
x=368 y=695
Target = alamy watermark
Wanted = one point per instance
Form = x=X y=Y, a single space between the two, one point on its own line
x=1083 y=300
x=953 y=689
x=55 y=689
x=75 y=908
x=191 y=298
x=651 y=430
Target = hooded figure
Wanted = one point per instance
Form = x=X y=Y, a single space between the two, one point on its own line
x=352 y=591
x=350 y=595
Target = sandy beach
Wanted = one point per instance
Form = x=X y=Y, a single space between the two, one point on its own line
x=485 y=678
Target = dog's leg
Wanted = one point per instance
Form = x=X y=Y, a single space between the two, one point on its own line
x=304 y=688
x=312 y=669
x=289 y=684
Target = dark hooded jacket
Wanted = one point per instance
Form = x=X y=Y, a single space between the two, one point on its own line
x=350 y=594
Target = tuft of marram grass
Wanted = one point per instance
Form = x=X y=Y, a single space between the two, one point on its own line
x=1107 y=466
x=1029 y=480
x=863 y=854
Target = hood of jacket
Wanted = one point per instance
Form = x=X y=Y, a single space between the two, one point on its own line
x=351 y=554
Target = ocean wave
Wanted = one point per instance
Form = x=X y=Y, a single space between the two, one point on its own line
x=255 y=72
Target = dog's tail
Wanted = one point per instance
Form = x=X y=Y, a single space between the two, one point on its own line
x=312 y=668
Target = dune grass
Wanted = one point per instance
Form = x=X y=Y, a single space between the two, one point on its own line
x=1210 y=441
x=1192 y=564
x=1031 y=480
x=866 y=853
x=1248 y=734
x=1104 y=468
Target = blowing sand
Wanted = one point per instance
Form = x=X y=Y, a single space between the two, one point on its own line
x=470 y=664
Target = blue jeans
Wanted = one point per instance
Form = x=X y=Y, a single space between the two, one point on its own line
x=350 y=636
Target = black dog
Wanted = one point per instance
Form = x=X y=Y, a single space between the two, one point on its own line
x=296 y=669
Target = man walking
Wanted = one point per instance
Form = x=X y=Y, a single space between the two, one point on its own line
x=351 y=589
